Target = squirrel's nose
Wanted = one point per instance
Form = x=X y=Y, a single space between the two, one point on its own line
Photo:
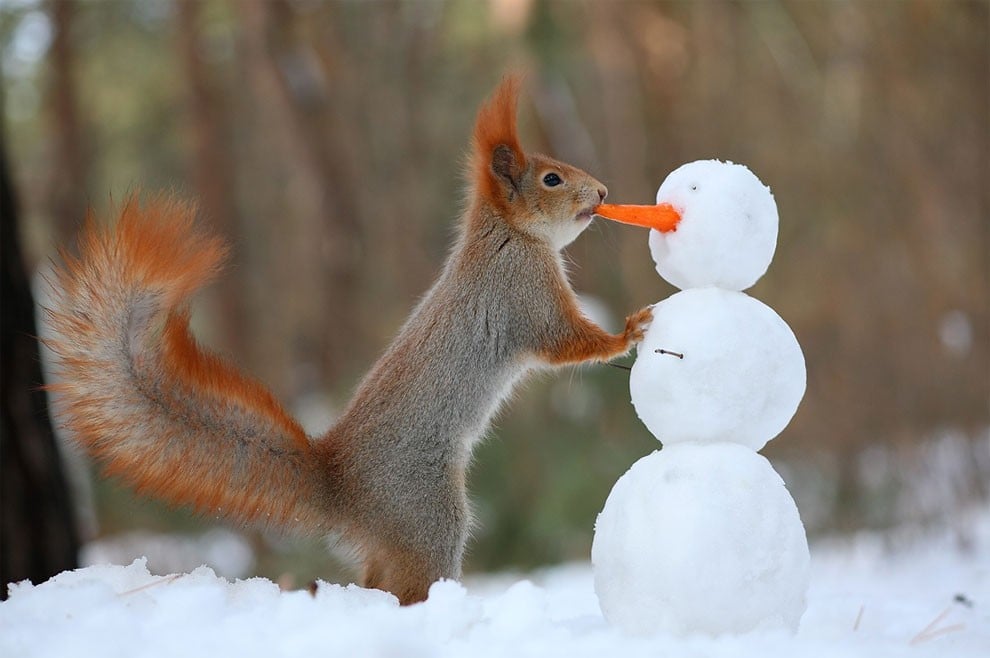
x=602 y=193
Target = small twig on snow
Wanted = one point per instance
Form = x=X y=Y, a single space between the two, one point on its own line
x=929 y=632
x=163 y=581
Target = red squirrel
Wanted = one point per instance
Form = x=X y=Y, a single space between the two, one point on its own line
x=179 y=423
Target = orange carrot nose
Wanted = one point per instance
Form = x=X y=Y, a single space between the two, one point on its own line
x=662 y=217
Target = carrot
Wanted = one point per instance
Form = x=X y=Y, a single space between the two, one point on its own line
x=662 y=217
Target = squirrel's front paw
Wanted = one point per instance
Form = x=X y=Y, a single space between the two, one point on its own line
x=638 y=323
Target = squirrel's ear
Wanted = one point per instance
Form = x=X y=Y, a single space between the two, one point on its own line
x=506 y=166
x=496 y=155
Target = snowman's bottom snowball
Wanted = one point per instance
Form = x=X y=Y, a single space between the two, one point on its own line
x=700 y=539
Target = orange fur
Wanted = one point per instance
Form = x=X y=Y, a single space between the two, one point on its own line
x=495 y=126
x=138 y=392
x=586 y=341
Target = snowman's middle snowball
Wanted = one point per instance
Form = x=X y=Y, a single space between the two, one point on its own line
x=741 y=377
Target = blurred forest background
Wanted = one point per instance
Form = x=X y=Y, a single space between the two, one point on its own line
x=326 y=140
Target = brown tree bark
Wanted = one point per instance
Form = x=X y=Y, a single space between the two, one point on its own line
x=69 y=175
x=322 y=240
x=212 y=173
x=38 y=535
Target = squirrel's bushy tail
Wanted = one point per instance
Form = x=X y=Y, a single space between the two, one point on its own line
x=138 y=393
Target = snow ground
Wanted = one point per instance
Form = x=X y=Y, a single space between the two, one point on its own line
x=871 y=595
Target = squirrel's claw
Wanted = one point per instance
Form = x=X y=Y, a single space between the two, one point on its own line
x=638 y=323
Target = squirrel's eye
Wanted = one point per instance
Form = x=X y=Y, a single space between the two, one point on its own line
x=552 y=180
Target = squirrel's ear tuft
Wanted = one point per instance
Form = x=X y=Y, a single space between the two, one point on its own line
x=497 y=159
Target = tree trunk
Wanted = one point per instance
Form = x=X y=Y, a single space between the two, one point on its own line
x=320 y=242
x=38 y=536
x=68 y=184
x=212 y=173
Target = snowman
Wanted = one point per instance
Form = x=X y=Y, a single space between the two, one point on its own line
x=702 y=536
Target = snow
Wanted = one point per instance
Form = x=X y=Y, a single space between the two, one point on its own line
x=728 y=229
x=691 y=532
x=871 y=596
x=741 y=377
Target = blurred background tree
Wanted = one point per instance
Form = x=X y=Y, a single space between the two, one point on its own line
x=326 y=140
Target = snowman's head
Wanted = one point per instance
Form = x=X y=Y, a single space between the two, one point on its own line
x=728 y=229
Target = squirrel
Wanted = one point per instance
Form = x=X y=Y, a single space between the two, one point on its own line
x=174 y=421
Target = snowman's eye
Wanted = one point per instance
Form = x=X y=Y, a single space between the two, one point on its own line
x=694 y=187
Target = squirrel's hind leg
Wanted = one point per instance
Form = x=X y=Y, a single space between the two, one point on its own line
x=406 y=574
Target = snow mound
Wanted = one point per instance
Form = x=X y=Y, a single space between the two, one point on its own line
x=926 y=600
